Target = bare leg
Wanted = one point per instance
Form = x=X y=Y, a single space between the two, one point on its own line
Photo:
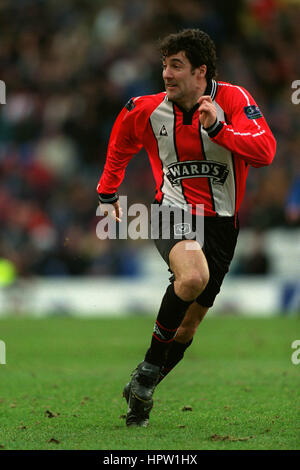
x=190 y=323
x=190 y=269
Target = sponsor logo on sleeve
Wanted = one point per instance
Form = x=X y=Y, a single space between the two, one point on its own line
x=252 y=112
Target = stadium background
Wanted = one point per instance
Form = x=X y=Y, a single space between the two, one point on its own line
x=69 y=67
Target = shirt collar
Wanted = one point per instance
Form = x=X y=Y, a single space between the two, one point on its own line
x=211 y=88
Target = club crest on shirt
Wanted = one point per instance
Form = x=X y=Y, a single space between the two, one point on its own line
x=216 y=171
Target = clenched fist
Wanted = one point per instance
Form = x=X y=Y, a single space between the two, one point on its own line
x=207 y=111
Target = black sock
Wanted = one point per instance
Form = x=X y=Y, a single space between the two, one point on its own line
x=170 y=315
x=175 y=354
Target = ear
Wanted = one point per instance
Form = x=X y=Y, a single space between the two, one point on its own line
x=202 y=70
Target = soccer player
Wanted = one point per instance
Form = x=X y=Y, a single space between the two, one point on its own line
x=201 y=135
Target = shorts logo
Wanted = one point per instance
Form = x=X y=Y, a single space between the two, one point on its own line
x=252 y=112
x=216 y=171
x=182 y=229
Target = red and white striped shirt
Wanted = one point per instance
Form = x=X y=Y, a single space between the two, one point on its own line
x=191 y=165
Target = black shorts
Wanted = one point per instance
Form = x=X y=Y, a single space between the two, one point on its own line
x=220 y=237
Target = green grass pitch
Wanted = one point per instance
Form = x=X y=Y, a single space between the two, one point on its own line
x=61 y=387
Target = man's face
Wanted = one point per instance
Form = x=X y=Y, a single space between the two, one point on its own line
x=180 y=81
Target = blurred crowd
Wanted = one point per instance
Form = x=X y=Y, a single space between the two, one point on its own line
x=70 y=66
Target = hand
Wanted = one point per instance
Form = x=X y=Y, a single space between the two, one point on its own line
x=113 y=210
x=207 y=111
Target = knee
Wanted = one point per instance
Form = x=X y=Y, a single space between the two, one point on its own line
x=189 y=286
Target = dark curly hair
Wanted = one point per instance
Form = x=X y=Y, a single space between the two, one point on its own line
x=197 y=45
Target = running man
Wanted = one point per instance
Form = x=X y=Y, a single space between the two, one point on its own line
x=201 y=135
